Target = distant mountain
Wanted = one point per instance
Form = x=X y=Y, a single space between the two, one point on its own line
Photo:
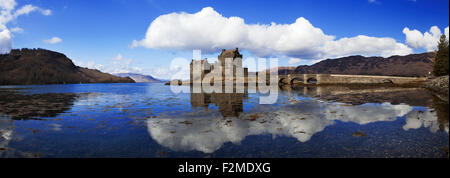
x=40 y=66
x=413 y=65
x=139 y=77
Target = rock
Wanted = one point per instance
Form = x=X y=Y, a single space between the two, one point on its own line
x=253 y=117
x=439 y=86
x=174 y=82
x=23 y=107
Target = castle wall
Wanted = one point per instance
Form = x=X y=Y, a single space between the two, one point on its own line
x=206 y=67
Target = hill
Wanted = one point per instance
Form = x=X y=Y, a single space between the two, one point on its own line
x=40 y=66
x=283 y=70
x=139 y=77
x=414 y=65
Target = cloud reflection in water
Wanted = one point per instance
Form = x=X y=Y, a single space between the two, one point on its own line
x=209 y=131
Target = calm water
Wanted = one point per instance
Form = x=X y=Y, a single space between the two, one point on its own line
x=148 y=120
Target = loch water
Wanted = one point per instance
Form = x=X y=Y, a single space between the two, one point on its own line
x=149 y=120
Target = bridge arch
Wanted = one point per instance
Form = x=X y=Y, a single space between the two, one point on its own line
x=312 y=80
x=283 y=80
x=296 y=80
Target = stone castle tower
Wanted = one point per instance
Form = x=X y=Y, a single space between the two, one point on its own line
x=226 y=54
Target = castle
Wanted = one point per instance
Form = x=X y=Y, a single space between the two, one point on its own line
x=206 y=67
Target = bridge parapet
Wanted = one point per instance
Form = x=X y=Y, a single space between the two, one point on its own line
x=346 y=79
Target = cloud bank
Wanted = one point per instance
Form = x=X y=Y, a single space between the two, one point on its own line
x=8 y=13
x=210 y=31
x=427 y=40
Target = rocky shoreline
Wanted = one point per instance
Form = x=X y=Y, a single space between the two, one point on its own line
x=439 y=87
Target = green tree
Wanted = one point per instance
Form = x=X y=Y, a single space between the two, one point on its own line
x=441 y=62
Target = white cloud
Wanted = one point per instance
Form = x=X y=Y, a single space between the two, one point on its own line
x=210 y=31
x=5 y=41
x=7 y=4
x=374 y=2
x=119 y=57
x=46 y=12
x=167 y=73
x=16 y=30
x=179 y=68
x=53 y=40
x=365 y=45
x=446 y=32
x=26 y=9
x=93 y=65
x=89 y=64
x=115 y=65
x=428 y=40
x=8 y=14
x=294 y=60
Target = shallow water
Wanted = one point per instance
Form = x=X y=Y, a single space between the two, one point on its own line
x=148 y=120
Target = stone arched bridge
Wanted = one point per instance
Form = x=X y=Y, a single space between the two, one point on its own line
x=346 y=79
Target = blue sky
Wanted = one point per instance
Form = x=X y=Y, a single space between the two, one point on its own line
x=96 y=32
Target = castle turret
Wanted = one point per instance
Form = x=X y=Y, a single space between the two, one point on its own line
x=205 y=67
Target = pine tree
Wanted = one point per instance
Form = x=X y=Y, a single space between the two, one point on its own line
x=441 y=63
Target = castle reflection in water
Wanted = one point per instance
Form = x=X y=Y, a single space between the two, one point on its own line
x=229 y=104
